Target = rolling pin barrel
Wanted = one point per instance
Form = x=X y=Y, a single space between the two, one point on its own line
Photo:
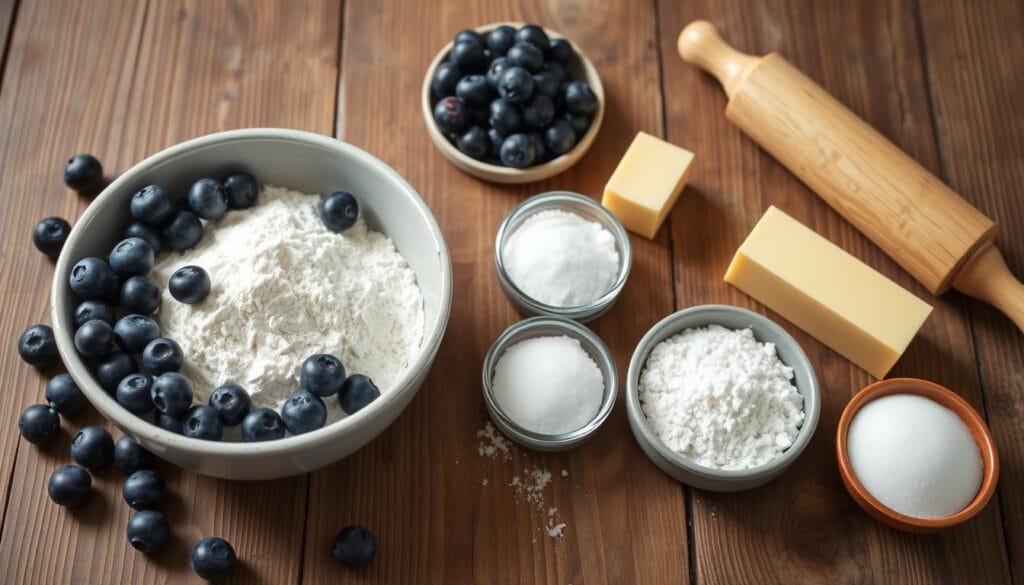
x=924 y=226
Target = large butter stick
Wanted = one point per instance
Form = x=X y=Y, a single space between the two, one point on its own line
x=828 y=293
x=928 y=229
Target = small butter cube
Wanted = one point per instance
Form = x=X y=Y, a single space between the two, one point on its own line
x=828 y=293
x=647 y=183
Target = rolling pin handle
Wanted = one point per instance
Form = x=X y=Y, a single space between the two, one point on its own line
x=986 y=277
x=702 y=45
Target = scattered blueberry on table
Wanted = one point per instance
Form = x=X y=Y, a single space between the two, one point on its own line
x=64 y=395
x=37 y=346
x=189 y=284
x=50 y=234
x=355 y=546
x=148 y=531
x=83 y=173
x=129 y=456
x=143 y=489
x=213 y=558
x=69 y=486
x=499 y=96
x=92 y=447
x=39 y=423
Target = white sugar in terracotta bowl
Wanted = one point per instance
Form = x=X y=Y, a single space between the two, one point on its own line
x=309 y=163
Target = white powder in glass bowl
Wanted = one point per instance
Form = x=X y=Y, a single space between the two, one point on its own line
x=284 y=287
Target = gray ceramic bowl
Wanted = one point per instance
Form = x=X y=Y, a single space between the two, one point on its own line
x=764 y=330
x=298 y=160
x=539 y=327
x=589 y=210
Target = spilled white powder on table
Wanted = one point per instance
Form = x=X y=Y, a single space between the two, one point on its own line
x=284 y=287
x=720 y=398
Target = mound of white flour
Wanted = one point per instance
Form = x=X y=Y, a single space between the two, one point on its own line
x=720 y=398
x=284 y=287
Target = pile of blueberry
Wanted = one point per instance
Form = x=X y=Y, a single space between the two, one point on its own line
x=506 y=97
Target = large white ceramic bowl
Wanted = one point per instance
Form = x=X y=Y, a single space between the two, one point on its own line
x=305 y=162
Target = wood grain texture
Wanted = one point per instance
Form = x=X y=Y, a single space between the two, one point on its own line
x=441 y=512
x=201 y=67
x=803 y=528
x=973 y=59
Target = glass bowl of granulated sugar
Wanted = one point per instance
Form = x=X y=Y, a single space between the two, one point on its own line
x=721 y=398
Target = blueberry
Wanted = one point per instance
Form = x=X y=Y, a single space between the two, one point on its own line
x=69 y=486
x=148 y=531
x=534 y=35
x=132 y=333
x=494 y=154
x=579 y=98
x=37 y=346
x=451 y=115
x=501 y=39
x=357 y=392
x=494 y=71
x=468 y=55
x=242 y=190
x=152 y=205
x=546 y=83
x=355 y=546
x=134 y=393
x=262 y=424
x=182 y=231
x=83 y=173
x=474 y=143
x=208 y=199
x=162 y=355
x=172 y=394
x=64 y=395
x=557 y=71
x=113 y=294
x=50 y=234
x=525 y=55
x=474 y=90
x=515 y=85
x=140 y=295
x=322 y=374
x=92 y=447
x=579 y=123
x=538 y=112
x=143 y=489
x=132 y=256
x=168 y=423
x=129 y=456
x=231 y=402
x=137 y=229
x=303 y=412
x=339 y=211
x=504 y=117
x=39 y=423
x=467 y=36
x=94 y=338
x=89 y=310
x=90 y=278
x=111 y=369
x=189 y=284
x=560 y=137
x=213 y=558
x=202 y=422
x=518 y=151
x=559 y=51
x=541 y=151
x=445 y=77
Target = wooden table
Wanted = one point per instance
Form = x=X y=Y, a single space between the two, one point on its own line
x=125 y=78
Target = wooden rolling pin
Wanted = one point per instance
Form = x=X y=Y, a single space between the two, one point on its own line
x=928 y=229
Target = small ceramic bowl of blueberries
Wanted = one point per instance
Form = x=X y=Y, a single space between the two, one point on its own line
x=512 y=102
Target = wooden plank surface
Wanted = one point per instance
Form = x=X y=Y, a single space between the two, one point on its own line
x=804 y=528
x=973 y=59
x=201 y=67
x=421 y=485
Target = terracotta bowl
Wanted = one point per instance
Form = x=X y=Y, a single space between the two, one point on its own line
x=947 y=398
x=579 y=67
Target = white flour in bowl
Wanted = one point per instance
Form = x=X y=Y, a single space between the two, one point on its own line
x=284 y=287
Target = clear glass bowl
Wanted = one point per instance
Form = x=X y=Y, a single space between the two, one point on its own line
x=586 y=208
x=544 y=327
